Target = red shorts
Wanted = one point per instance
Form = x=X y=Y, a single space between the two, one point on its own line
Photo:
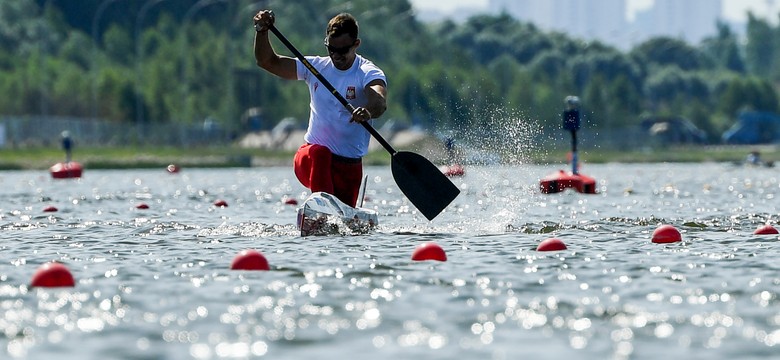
x=319 y=170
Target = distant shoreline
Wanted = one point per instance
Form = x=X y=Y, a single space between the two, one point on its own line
x=217 y=157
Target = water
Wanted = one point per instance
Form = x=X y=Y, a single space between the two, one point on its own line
x=156 y=284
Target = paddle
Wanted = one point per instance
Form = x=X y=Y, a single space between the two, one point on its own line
x=362 y=192
x=421 y=181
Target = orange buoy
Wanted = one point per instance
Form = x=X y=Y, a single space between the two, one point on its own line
x=53 y=274
x=766 y=230
x=429 y=251
x=551 y=244
x=666 y=234
x=249 y=260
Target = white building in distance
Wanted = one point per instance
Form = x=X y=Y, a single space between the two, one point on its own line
x=607 y=20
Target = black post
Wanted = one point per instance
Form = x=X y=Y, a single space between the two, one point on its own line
x=571 y=122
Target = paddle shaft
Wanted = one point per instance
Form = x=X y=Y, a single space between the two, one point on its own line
x=362 y=191
x=330 y=88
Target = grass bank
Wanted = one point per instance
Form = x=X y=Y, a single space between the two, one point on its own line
x=159 y=157
x=141 y=157
x=769 y=153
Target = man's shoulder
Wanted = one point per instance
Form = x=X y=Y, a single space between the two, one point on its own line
x=367 y=65
x=364 y=61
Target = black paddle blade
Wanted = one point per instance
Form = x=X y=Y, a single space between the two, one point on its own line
x=423 y=183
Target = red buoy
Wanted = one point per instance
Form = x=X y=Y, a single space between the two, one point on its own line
x=289 y=201
x=66 y=170
x=562 y=180
x=220 y=203
x=53 y=275
x=249 y=260
x=666 y=234
x=551 y=244
x=50 y=209
x=142 y=206
x=429 y=251
x=766 y=230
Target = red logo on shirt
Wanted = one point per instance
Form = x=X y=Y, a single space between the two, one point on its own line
x=351 y=93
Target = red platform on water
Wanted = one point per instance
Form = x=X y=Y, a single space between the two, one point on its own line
x=66 y=170
x=562 y=180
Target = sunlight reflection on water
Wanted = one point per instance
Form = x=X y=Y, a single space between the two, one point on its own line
x=155 y=283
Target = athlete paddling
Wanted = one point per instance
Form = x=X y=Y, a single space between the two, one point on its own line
x=330 y=159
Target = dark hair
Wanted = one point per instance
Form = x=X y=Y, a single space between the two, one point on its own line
x=341 y=24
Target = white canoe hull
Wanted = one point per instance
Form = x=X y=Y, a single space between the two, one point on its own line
x=323 y=214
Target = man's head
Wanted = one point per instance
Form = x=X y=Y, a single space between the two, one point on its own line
x=341 y=39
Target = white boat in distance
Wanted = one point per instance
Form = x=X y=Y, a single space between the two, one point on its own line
x=324 y=214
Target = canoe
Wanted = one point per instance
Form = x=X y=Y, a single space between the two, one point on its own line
x=66 y=170
x=324 y=214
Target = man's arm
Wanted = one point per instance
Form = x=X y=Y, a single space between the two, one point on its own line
x=376 y=92
x=376 y=105
x=281 y=66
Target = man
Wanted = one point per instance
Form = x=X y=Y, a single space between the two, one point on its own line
x=335 y=142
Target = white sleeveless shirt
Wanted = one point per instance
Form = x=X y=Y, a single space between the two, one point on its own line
x=329 y=120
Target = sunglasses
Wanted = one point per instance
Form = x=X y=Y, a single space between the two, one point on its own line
x=339 y=50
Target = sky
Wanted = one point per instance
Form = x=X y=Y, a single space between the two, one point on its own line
x=734 y=10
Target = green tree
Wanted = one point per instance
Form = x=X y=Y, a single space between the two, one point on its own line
x=748 y=94
x=21 y=27
x=623 y=102
x=504 y=69
x=760 y=48
x=549 y=66
x=475 y=75
x=724 y=49
x=666 y=51
x=75 y=50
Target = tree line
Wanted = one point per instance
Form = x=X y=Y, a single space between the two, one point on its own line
x=187 y=60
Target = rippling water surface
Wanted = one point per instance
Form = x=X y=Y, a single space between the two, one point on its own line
x=156 y=284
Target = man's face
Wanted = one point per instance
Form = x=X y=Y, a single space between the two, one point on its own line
x=341 y=50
